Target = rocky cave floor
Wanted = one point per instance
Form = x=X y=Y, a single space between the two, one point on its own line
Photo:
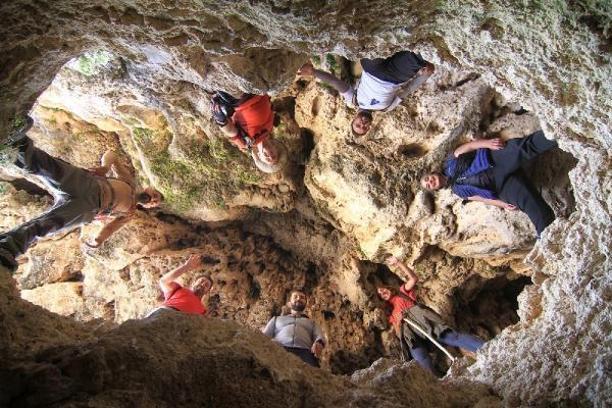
x=324 y=224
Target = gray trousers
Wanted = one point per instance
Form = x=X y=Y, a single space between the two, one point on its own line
x=77 y=193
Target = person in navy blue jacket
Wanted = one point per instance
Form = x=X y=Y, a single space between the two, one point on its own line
x=488 y=171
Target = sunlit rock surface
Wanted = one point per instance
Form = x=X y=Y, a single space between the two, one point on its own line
x=326 y=222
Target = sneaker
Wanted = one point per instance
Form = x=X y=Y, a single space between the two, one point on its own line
x=218 y=113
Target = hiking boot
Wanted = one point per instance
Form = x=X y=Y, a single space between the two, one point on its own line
x=8 y=260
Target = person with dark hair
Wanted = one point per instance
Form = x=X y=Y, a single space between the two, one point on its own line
x=488 y=171
x=413 y=322
x=81 y=196
x=247 y=122
x=178 y=298
x=383 y=84
x=296 y=332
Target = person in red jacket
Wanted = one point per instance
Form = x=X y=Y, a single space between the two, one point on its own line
x=402 y=304
x=186 y=300
x=248 y=123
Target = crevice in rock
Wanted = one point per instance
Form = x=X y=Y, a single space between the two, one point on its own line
x=486 y=306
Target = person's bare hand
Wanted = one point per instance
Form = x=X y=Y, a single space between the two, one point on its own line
x=392 y=261
x=493 y=144
x=194 y=261
x=306 y=70
x=510 y=207
x=90 y=244
x=98 y=171
x=317 y=349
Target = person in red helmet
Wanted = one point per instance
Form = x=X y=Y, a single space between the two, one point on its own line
x=248 y=122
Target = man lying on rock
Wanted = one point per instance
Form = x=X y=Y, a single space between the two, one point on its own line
x=414 y=323
x=80 y=196
x=383 y=84
x=297 y=333
x=182 y=299
x=248 y=123
x=487 y=171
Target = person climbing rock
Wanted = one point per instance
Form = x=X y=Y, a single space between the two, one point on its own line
x=80 y=196
x=248 y=123
x=488 y=171
x=404 y=312
x=296 y=332
x=181 y=299
x=383 y=84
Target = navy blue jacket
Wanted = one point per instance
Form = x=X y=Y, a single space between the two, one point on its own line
x=480 y=163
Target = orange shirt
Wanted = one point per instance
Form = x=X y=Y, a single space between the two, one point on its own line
x=183 y=300
x=255 y=117
x=401 y=303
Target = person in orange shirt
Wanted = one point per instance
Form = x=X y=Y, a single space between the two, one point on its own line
x=402 y=304
x=248 y=123
x=185 y=300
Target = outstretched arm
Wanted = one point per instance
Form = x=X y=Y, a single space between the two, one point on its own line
x=412 y=277
x=108 y=230
x=165 y=282
x=338 y=84
x=492 y=144
x=497 y=203
x=110 y=161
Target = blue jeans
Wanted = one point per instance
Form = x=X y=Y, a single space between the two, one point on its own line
x=450 y=338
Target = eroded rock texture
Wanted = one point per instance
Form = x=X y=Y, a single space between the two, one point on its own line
x=140 y=86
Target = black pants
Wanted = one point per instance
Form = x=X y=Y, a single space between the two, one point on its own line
x=77 y=198
x=397 y=69
x=511 y=184
x=305 y=355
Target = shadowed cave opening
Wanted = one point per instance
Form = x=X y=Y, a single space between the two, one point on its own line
x=140 y=128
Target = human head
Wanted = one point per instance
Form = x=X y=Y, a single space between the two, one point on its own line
x=269 y=152
x=297 y=301
x=385 y=292
x=149 y=198
x=361 y=123
x=433 y=181
x=201 y=286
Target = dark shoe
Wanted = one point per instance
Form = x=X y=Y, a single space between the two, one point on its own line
x=218 y=113
x=8 y=260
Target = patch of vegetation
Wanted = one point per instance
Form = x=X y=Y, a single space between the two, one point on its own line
x=18 y=122
x=203 y=171
x=91 y=62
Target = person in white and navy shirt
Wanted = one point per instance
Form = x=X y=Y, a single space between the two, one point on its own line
x=383 y=84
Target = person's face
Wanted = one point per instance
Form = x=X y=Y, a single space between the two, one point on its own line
x=201 y=286
x=362 y=122
x=297 y=301
x=156 y=198
x=269 y=154
x=432 y=181
x=384 y=293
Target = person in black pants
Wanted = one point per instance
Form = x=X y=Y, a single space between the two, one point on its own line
x=490 y=172
x=80 y=196
x=384 y=83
